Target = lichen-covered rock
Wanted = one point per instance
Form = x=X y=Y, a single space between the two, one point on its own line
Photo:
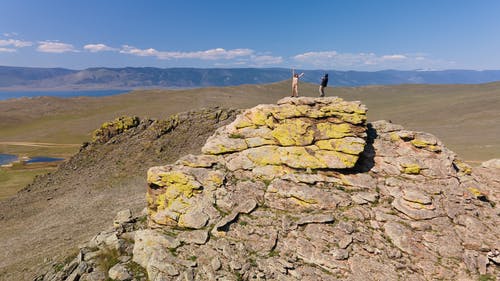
x=111 y=129
x=321 y=133
x=265 y=142
x=305 y=190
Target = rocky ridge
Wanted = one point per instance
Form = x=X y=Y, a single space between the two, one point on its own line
x=46 y=221
x=305 y=189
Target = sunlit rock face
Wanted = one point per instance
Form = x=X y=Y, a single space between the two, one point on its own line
x=305 y=189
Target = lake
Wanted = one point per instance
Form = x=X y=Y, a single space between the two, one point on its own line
x=9 y=158
x=61 y=94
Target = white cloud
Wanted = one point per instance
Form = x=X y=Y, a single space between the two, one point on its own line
x=126 y=49
x=316 y=55
x=327 y=59
x=15 y=43
x=7 y=50
x=55 y=47
x=366 y=61
x=10 y=34
x=211 y=54
x=94 y=48
x=218 y=53
x=394 y=57
x=265 y=60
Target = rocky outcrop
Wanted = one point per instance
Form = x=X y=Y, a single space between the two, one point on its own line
x=306 y=190
x=264 y=143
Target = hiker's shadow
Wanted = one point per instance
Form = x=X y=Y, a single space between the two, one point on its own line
x=366 y=159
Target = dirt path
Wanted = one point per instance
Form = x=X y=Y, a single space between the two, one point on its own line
x=39 y=144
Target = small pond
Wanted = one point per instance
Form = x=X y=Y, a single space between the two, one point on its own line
x=7 y=158
x=40 y=159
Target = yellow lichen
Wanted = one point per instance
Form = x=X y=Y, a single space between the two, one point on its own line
x=348 y=112
x=353 y=118
x=257 y=141
x=476 y=192
x=333 y=131
x=242 y=122
x=110 y=129
x=177 y=188
x=303 y=202
x=434 y=148
x=416 y=204
x=225 y=146
x=463 y=167
x=161 y=202
x=286 y=111
x=264 y=155
x=394 y=137
x=269 y=172
x=300 y=157
x=352 y=146
x=293 y=132
x=149 y=199
x=419 y=143
x=411 y=169
x=216 y=178
x=257 y=117
x=178 y=183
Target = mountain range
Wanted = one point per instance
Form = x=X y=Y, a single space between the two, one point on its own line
x=28 y=78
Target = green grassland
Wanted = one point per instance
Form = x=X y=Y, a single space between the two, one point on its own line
x=465 y=117
x=14 y=178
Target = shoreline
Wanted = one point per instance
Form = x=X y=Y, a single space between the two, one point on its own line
x=59 y=93
x=26 y=160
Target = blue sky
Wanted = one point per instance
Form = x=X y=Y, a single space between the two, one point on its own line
x=323 y=34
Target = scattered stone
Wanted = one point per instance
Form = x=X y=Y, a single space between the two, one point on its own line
x=345 y=242
x=199 y=237
x=119 y=272
x=216 y=264
x=122 y=217
x=364 y=198
x=492 y=163
x=149 y=242
x=494 y=256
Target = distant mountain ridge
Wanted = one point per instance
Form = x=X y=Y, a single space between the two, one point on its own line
x=27 y=78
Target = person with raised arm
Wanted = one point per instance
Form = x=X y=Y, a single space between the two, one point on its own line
x=295 y=83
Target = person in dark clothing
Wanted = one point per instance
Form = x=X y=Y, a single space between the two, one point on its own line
x=322 y=86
